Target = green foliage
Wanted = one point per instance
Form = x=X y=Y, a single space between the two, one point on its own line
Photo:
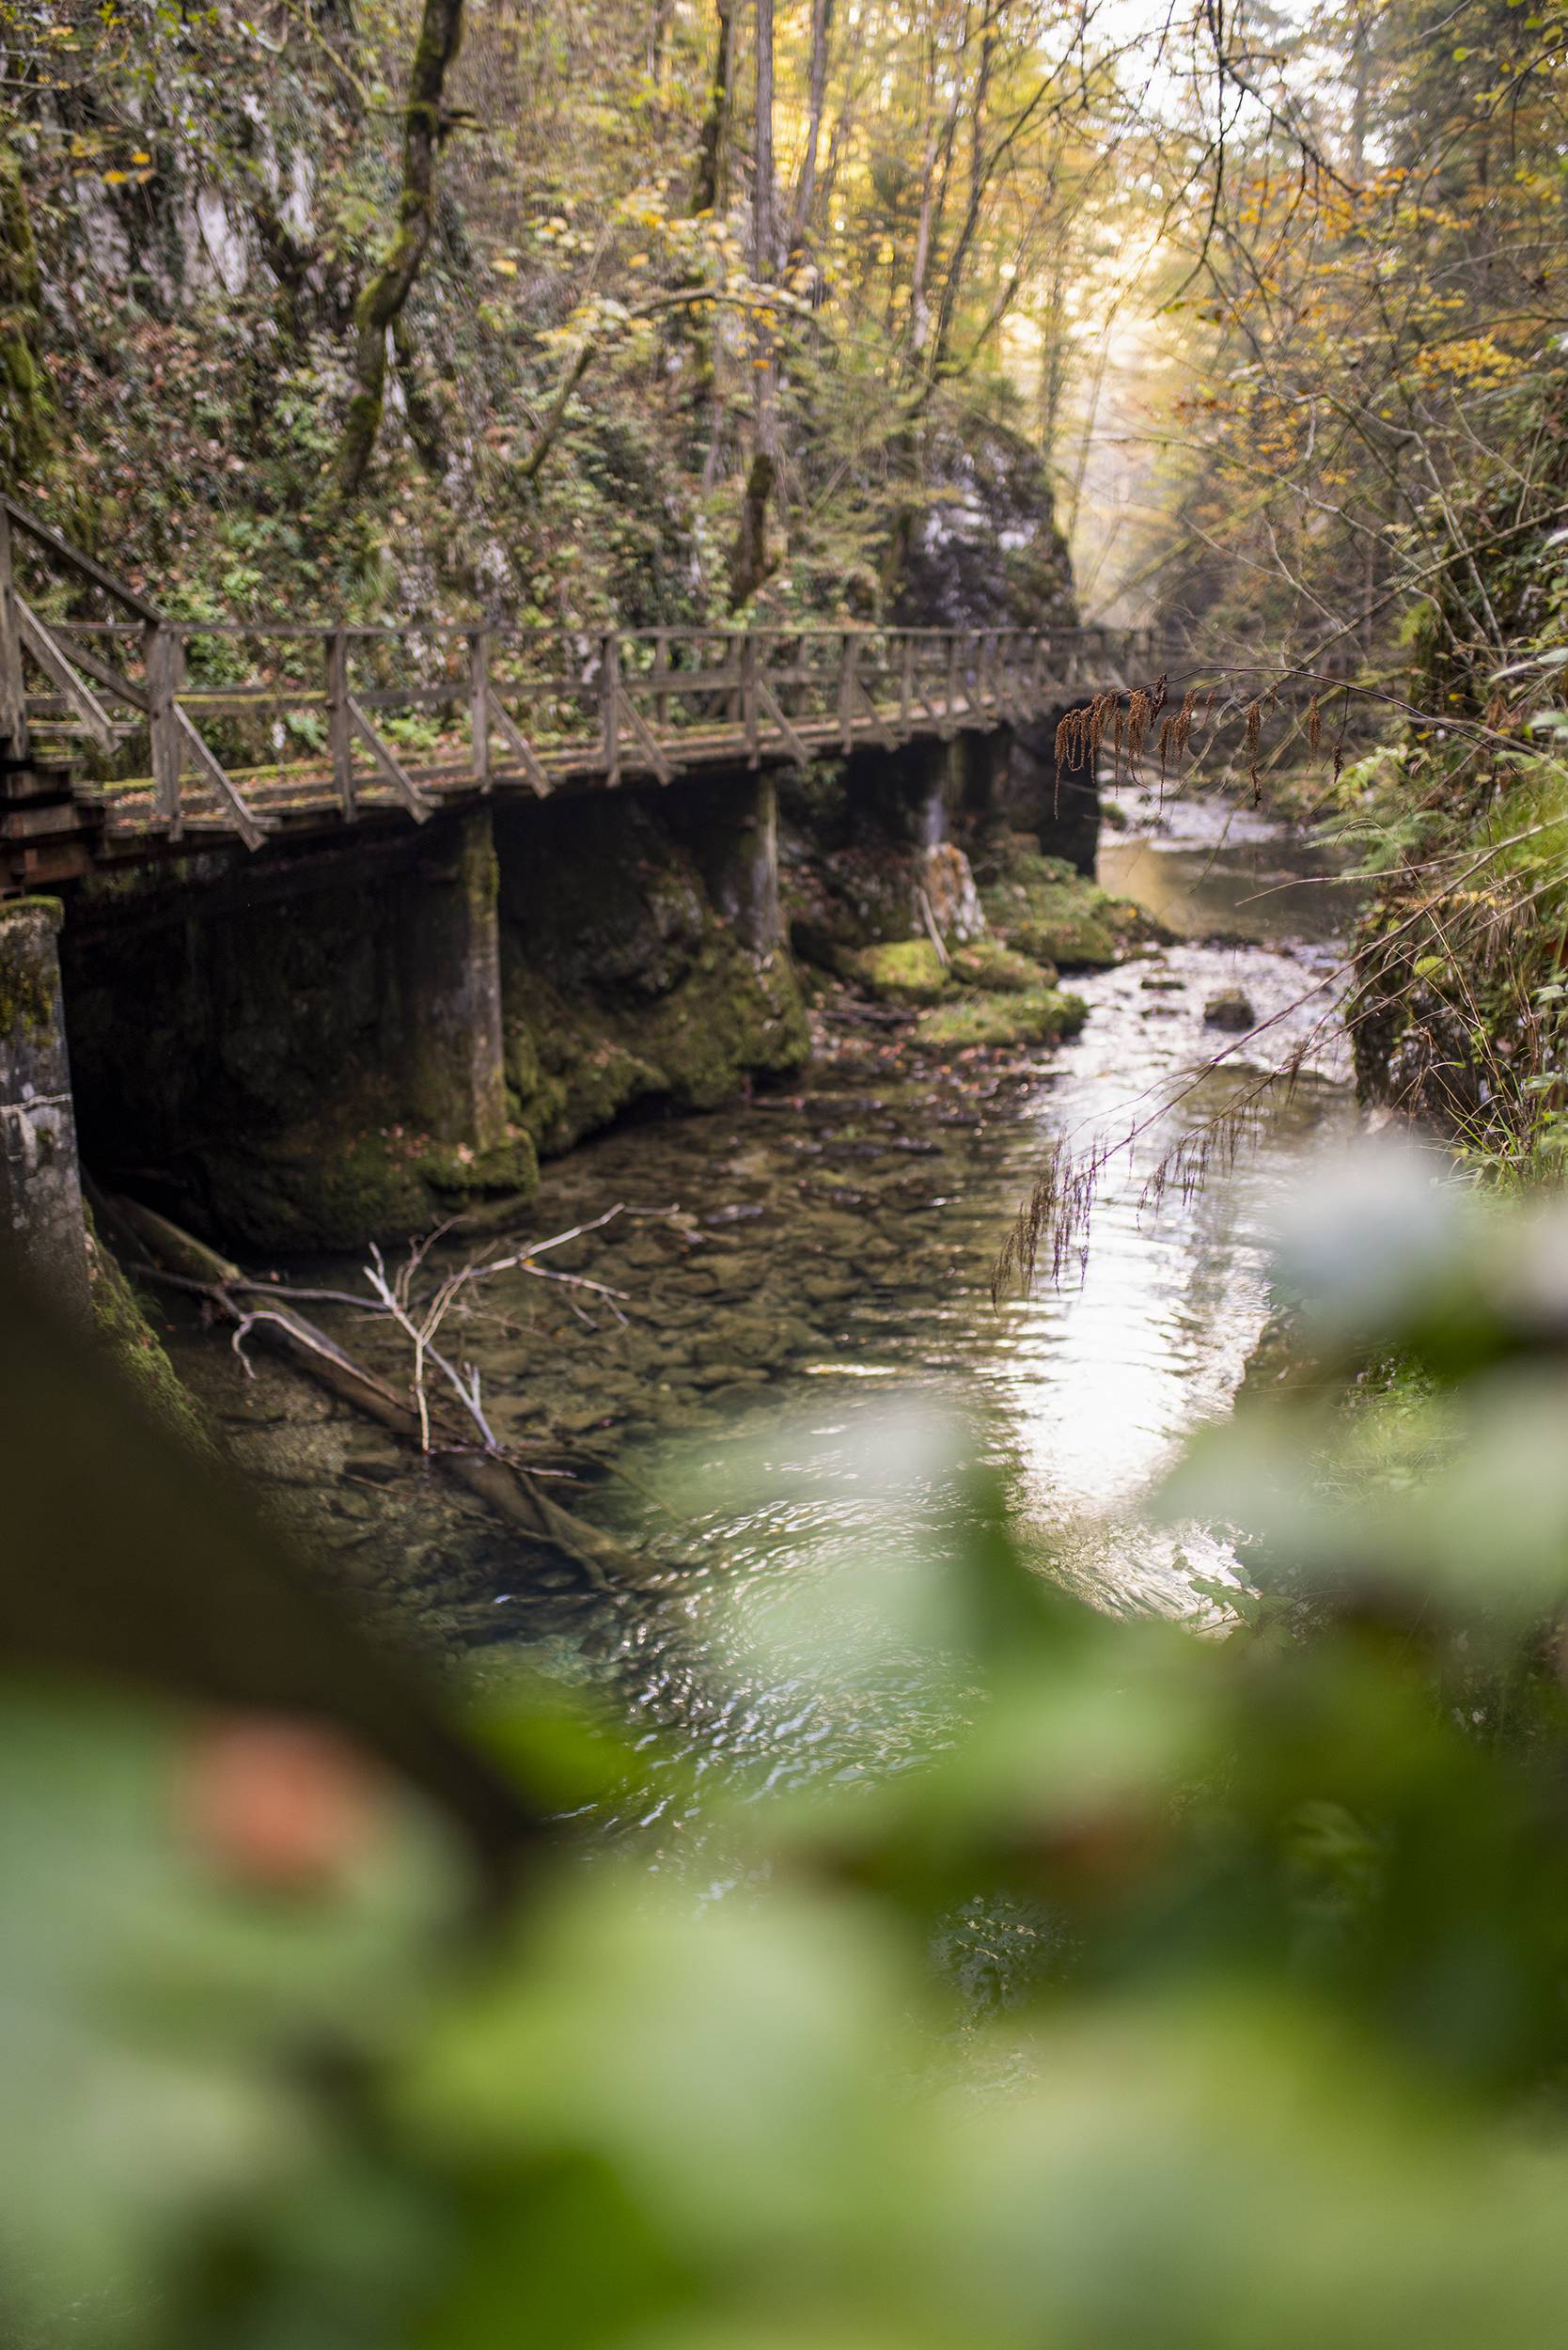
x=1278 y=2051
x=569 y=398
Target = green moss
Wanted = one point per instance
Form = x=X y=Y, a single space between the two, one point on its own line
x=996 y=1022
x=986 y=963
x=620 y=981
x=1042 y=908
x=322 y=1187
x=574 y=1063
x=26 y=979
x=133 y=1346
x=905 y=971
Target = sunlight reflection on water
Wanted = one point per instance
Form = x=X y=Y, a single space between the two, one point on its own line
x=804 y=1634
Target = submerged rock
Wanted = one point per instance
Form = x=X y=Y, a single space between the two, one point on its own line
x=1231 y=1009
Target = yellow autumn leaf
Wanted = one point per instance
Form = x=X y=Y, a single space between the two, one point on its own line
x=507 y=269
x=141 y=156
x=116 y=178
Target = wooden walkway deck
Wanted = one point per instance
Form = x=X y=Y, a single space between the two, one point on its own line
x=123 y=731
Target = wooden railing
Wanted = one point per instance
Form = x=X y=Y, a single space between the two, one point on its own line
x=245 y=723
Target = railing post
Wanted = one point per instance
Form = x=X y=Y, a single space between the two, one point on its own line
x=733 y=657
x=950 y=690
x=906 y=681
x=609 y=694
x=13 y=684
x=661 y=705
x=340 y=724
x=479 y=703
x=848 y=664
x=166 y=662
x=749 y=695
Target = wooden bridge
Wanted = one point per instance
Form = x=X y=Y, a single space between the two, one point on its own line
x=124 y=732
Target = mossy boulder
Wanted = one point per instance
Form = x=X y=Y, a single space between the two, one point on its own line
x=986 y=963
x=905 y=971
x=1041 y=907
x=996 y=1022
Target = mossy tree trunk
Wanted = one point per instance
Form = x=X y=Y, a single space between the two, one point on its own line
x=381 y=302
x=23 y=399
x=709 y=177
x=713 y=140
x=751 y=563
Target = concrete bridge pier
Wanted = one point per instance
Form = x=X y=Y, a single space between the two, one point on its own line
x=734 y=837
x=40 y=1189
x=300 y=1049
x=452 y=957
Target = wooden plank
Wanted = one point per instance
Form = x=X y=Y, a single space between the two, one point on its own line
x=848 y=661
x=51 y=540
x=878 y=728
x=251 y=831
x=748 y=700
x=408 y=793
x=769 y=702
x=478 y=705
x=939 y=725
x=40 y=820
x=84 y=703
x=339 y=724
x=164 y=662
x=609 y=701
x=646 y=736
x=517 y=741
x=93 y=665
x=57 y=861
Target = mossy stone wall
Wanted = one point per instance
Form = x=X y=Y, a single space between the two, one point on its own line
x=642 y=956
x=306 y=1050
x=41 y=1191
x=310 y=1048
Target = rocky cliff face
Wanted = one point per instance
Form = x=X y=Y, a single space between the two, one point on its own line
x=986 y=552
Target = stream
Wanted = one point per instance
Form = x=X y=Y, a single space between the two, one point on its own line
x=787 y=1396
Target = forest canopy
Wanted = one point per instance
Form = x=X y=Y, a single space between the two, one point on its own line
x=652 y=310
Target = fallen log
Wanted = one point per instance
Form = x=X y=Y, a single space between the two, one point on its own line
x=173 y=1255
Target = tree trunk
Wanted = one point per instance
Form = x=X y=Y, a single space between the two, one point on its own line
x=806 y=182
x=658 y=37
x=751 y=564
x=380 y=303
x=980 y=170
x=712 y=142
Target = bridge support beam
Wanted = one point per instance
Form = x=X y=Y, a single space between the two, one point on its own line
x=735 y=839
x=1061 y=807
x=452 y=958
x=41 y=1186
